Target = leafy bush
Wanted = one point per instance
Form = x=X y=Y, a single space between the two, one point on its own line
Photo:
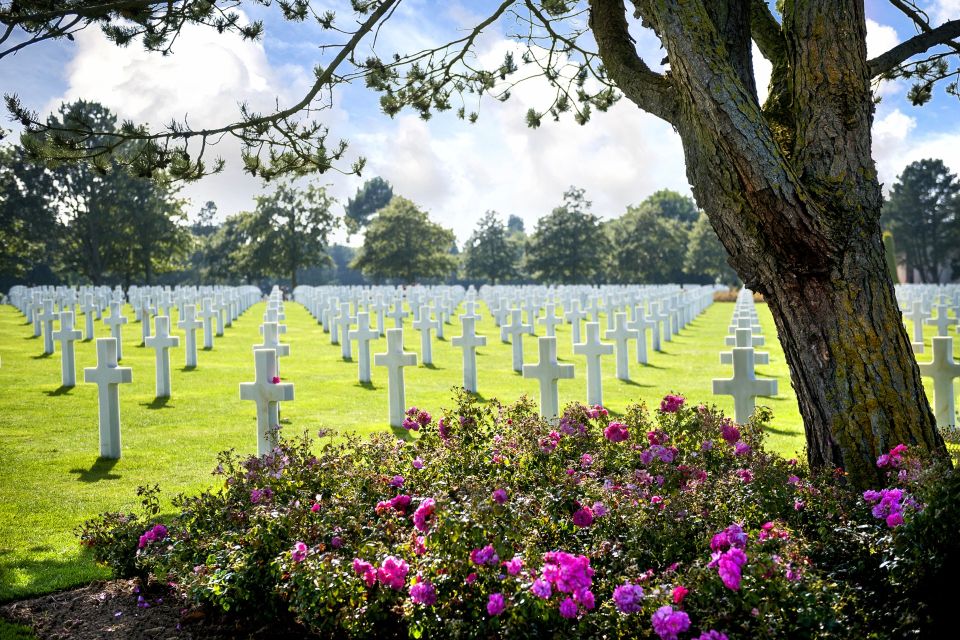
x=495 y=522
x=114 y=538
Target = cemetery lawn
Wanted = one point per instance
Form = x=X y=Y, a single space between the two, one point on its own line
x=51 y=479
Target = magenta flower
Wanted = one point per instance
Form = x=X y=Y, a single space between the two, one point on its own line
x=336 y=542
x=568 y=608
x=471 y=578
x=514 y=566
x=583 y=517
x=499 y=496
x=671 y=403
x=275 y=380
x=729 y=431
x=393 y=572
x=417 y=463
x=485 y=555
x=496 y=604
x=315 y=507
x=541 y=588
x=669 y=624
x=679 y=593
x=299 y=553
x=423 y=514
x=745 y=475
x=397 y=481
x=616 y=432
x=712 y=635
x=365 y=570
x=742 y=448
x=424 y=593
x=627 y=597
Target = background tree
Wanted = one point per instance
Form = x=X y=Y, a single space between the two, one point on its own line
x=569 y=245
x=674 y=206
x=374 y=195
x=29 y=228
x=922 y=212
x=789 y=185
x=488 y=254
x=890 y=253
x=402 y=243
x=229 y=251
x=289 y=229
x=647 y=246
x=706 y=259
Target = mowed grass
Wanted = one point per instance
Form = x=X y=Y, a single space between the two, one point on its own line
x=51 y=479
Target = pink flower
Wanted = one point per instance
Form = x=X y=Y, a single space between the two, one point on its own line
x=417 y=463
x=365 y=570
x=496 y=604
x=500 y=496
x=745 y=475
x=423 y=514
x=729 y=431
x=514 y=566
x=568 y=608
x=541 y=588
x=616 y=432
x=275 y=380
x=336 y=542
x=583 y=517
x=393 y=572
x=471 y=578
x=397 y=481
x=741 y=448
x=679 y=593
x=315 y=507
x=669 y=624
x=299 y=553
x=485 y=555
x=586 y=460
x=424 y=593
x=627 y=597
x=671 y=403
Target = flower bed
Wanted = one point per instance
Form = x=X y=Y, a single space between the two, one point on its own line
x=666 y=524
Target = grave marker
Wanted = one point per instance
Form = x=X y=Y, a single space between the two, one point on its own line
x=108 y=377
x=66 y=337
x=266 y=393
x=162 y=341
x=547 y=371
x=593 y=349
x=395 y=359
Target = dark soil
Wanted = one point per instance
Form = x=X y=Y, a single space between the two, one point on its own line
x=121 y=609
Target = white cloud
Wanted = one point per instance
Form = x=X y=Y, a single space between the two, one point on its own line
x=880 y=38
x=941 y=11
x=897 y=143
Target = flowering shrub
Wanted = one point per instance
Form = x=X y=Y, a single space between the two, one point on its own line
x=493 y=522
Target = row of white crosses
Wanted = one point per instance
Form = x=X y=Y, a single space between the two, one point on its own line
x=107 y=374
x=744 y=386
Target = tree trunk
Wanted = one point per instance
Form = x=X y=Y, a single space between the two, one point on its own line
x=792 y=191
x=293 y=279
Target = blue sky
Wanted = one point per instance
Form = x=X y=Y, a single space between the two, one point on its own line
x=454 y=170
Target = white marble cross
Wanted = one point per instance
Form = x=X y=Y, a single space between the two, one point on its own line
x=666 y=319
x=943 y=321
x=550 y=319
x=273 y=315
x=89 y=308
x=395 y=359
x=380 y=310
x=342 y=327
x=190 y=324
x=918 y=316
x=47 y=316
x=162 y=341
x=146 y=310
x=593 y=349
x=397 y=314
x=547 y=371
x=108 y=377
x=621 y=337
x=745 y=338
x=756 y=340
x=469 y=342
x=639 y=325
x=207 y=313
x=943 y=369
x=363 y=334
x=271 y=340
x=266 y=393
x=653 y=315
x=220 y=309
x=424 y=324
x=66 y=336
x=116 y=322
x=744 y=386
x=574 y=316
x=515 y=330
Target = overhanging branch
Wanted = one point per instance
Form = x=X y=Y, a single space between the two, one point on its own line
x=944 y=34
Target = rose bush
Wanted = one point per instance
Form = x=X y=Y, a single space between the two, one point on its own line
x=674 y=523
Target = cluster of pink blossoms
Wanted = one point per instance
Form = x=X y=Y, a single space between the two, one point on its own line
x=894 y=459
x=156 y=533
x=616 y=432
x=485 y=555
x=423 y=592
x=392 y=573
x=729 y=556
x=299 y=553
x=671 y=403
x=568 y=574
x=668 y=623
x=398 y=503
x=423 y=514
x=889 y=504
x=416 y=419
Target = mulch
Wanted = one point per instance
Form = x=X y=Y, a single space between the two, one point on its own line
x=122 y=609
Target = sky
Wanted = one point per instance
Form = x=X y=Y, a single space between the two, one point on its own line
x=454 y=170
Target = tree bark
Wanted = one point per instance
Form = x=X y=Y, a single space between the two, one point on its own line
x=792 y=191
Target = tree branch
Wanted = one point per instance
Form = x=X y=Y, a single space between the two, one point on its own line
x=650 y=91
x=767 y=32
x=943 y=34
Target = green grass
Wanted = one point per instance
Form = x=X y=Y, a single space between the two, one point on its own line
x=51 y=479
x=9 y=631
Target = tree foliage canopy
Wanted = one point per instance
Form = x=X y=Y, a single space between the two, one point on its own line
x=402 y=243
x=489 y=254
x=569 y=244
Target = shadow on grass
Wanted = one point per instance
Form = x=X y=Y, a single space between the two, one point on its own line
x=99 y=471
x=369 y=386
x=59 y=391
x=187 y=369
x=31 y=337
x=23 y=577
x=42 y=356
x=158 y=403
x=633 y=383
x=431 y=366
x=403 y=434
x=342 y=359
